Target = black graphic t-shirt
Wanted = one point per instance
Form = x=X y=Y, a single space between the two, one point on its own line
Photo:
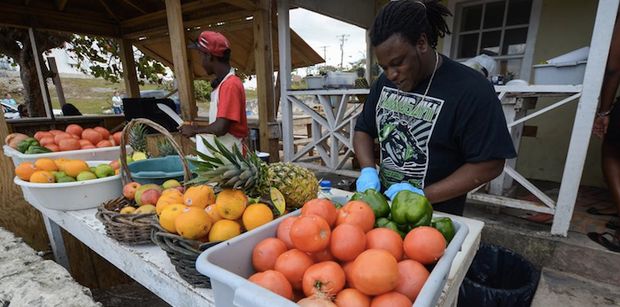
x=460 y=121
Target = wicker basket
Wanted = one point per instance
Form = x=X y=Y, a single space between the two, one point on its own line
x=133 y=229
x=183 y=254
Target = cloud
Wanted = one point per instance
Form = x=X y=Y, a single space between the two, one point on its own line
x=319 y=30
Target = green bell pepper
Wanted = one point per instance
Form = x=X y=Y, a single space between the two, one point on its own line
x=383 y=222
x=25 y=144
x=375 y=200
x=412 y=209
x=445 y=226
x=36 y=149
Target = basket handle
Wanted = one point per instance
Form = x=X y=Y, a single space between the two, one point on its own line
x=125 y=174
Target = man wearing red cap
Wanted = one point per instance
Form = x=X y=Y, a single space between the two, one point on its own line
x=227 y=117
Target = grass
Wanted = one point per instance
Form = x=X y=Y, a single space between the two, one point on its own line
x=94 y=96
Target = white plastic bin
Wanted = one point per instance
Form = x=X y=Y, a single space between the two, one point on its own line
x=570 y=73
x=315 y=82
x=336 y=79
x=95 y=154
x=77 y=195
x=229 y=264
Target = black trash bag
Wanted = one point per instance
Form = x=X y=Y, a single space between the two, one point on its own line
x=498 y=277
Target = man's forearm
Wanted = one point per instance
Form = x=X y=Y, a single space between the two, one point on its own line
x=364 y=149
x=464 y=179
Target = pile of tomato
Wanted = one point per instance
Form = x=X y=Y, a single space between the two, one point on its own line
x=330 y=256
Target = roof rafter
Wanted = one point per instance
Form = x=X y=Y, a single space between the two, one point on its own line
x=107 y=8
x=130 y=3
x=61 y=4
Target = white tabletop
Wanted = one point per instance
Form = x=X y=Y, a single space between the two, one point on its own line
x=149 y=265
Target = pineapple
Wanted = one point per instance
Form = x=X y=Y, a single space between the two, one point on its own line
x=233 y=170
x=137 y=138
x=165 y=148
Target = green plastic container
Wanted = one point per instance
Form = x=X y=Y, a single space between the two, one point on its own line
x=157 y=170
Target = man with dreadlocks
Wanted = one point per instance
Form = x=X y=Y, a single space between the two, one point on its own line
x=439 y=123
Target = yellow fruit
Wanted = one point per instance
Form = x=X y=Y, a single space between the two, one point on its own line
x=193 y=223
x=172 y=191
x=230 y=204
x=199 y=196
x=212 y=212
x=42 y=177
x=145 y=209
x=223 y=230
x=74 y=167
x=256 y=215
x=168 y=215
x=168 y=199
x=59 y=163
x=128 y=210
x=46 y=164
x=24 y=170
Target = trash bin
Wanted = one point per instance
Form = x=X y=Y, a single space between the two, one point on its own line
x=498 y=277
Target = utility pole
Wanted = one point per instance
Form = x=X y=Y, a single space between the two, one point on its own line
x=343 y=38
x=324 y=53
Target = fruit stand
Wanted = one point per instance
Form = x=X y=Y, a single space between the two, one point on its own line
x=149 y=265
x=230 y=203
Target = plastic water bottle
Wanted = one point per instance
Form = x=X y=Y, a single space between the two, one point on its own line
x=325 y=189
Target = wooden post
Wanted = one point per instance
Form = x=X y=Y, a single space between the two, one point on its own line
x=46 y=100
x=263 y=59
x=130 y=77
x=179 y=59
x=284 y=51
x=56 y=78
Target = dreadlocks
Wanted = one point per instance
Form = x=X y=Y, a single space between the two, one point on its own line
x=411 y=18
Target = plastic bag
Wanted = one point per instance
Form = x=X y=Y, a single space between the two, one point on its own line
x=498 y=277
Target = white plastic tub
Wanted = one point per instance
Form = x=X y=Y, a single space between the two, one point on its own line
x=337 y=79
x=72 y=195
x=229 y=264
x=315 y=82
x=96 y=154
x=570 y=73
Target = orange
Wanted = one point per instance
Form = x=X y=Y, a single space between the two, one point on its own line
x=169 y=215
x=24 y=170
x=193 y=223
x=230 y=204
x=42 y=177
x=212 y=212
x=46 y=164
x=199 y=196
x=167 y=199
x=223 y=230
x=74 y=167
x=256 y=215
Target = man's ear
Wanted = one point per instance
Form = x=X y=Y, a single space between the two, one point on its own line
x=422 y=44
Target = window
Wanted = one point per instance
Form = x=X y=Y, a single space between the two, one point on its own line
x=498 y=28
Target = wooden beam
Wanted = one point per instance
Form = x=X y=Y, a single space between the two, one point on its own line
x=263 y=57
x=60 y=4
x=139 y=9
x=42 y=83
x=56 y=78
x=129 y=69
x=44 y=19
x=284 y=72
x=110 y=12
x=146 y=29
x=179 y=59
x=244 y=4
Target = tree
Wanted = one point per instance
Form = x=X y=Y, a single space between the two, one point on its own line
x=100 y=57
x=15 y=44
x=97 y=56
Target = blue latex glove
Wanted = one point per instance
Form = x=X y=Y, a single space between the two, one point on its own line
x=369 y=179
x=403 y=186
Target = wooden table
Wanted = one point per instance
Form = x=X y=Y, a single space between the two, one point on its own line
x=150 y=266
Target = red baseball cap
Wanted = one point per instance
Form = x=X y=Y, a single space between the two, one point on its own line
x=213 y=43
